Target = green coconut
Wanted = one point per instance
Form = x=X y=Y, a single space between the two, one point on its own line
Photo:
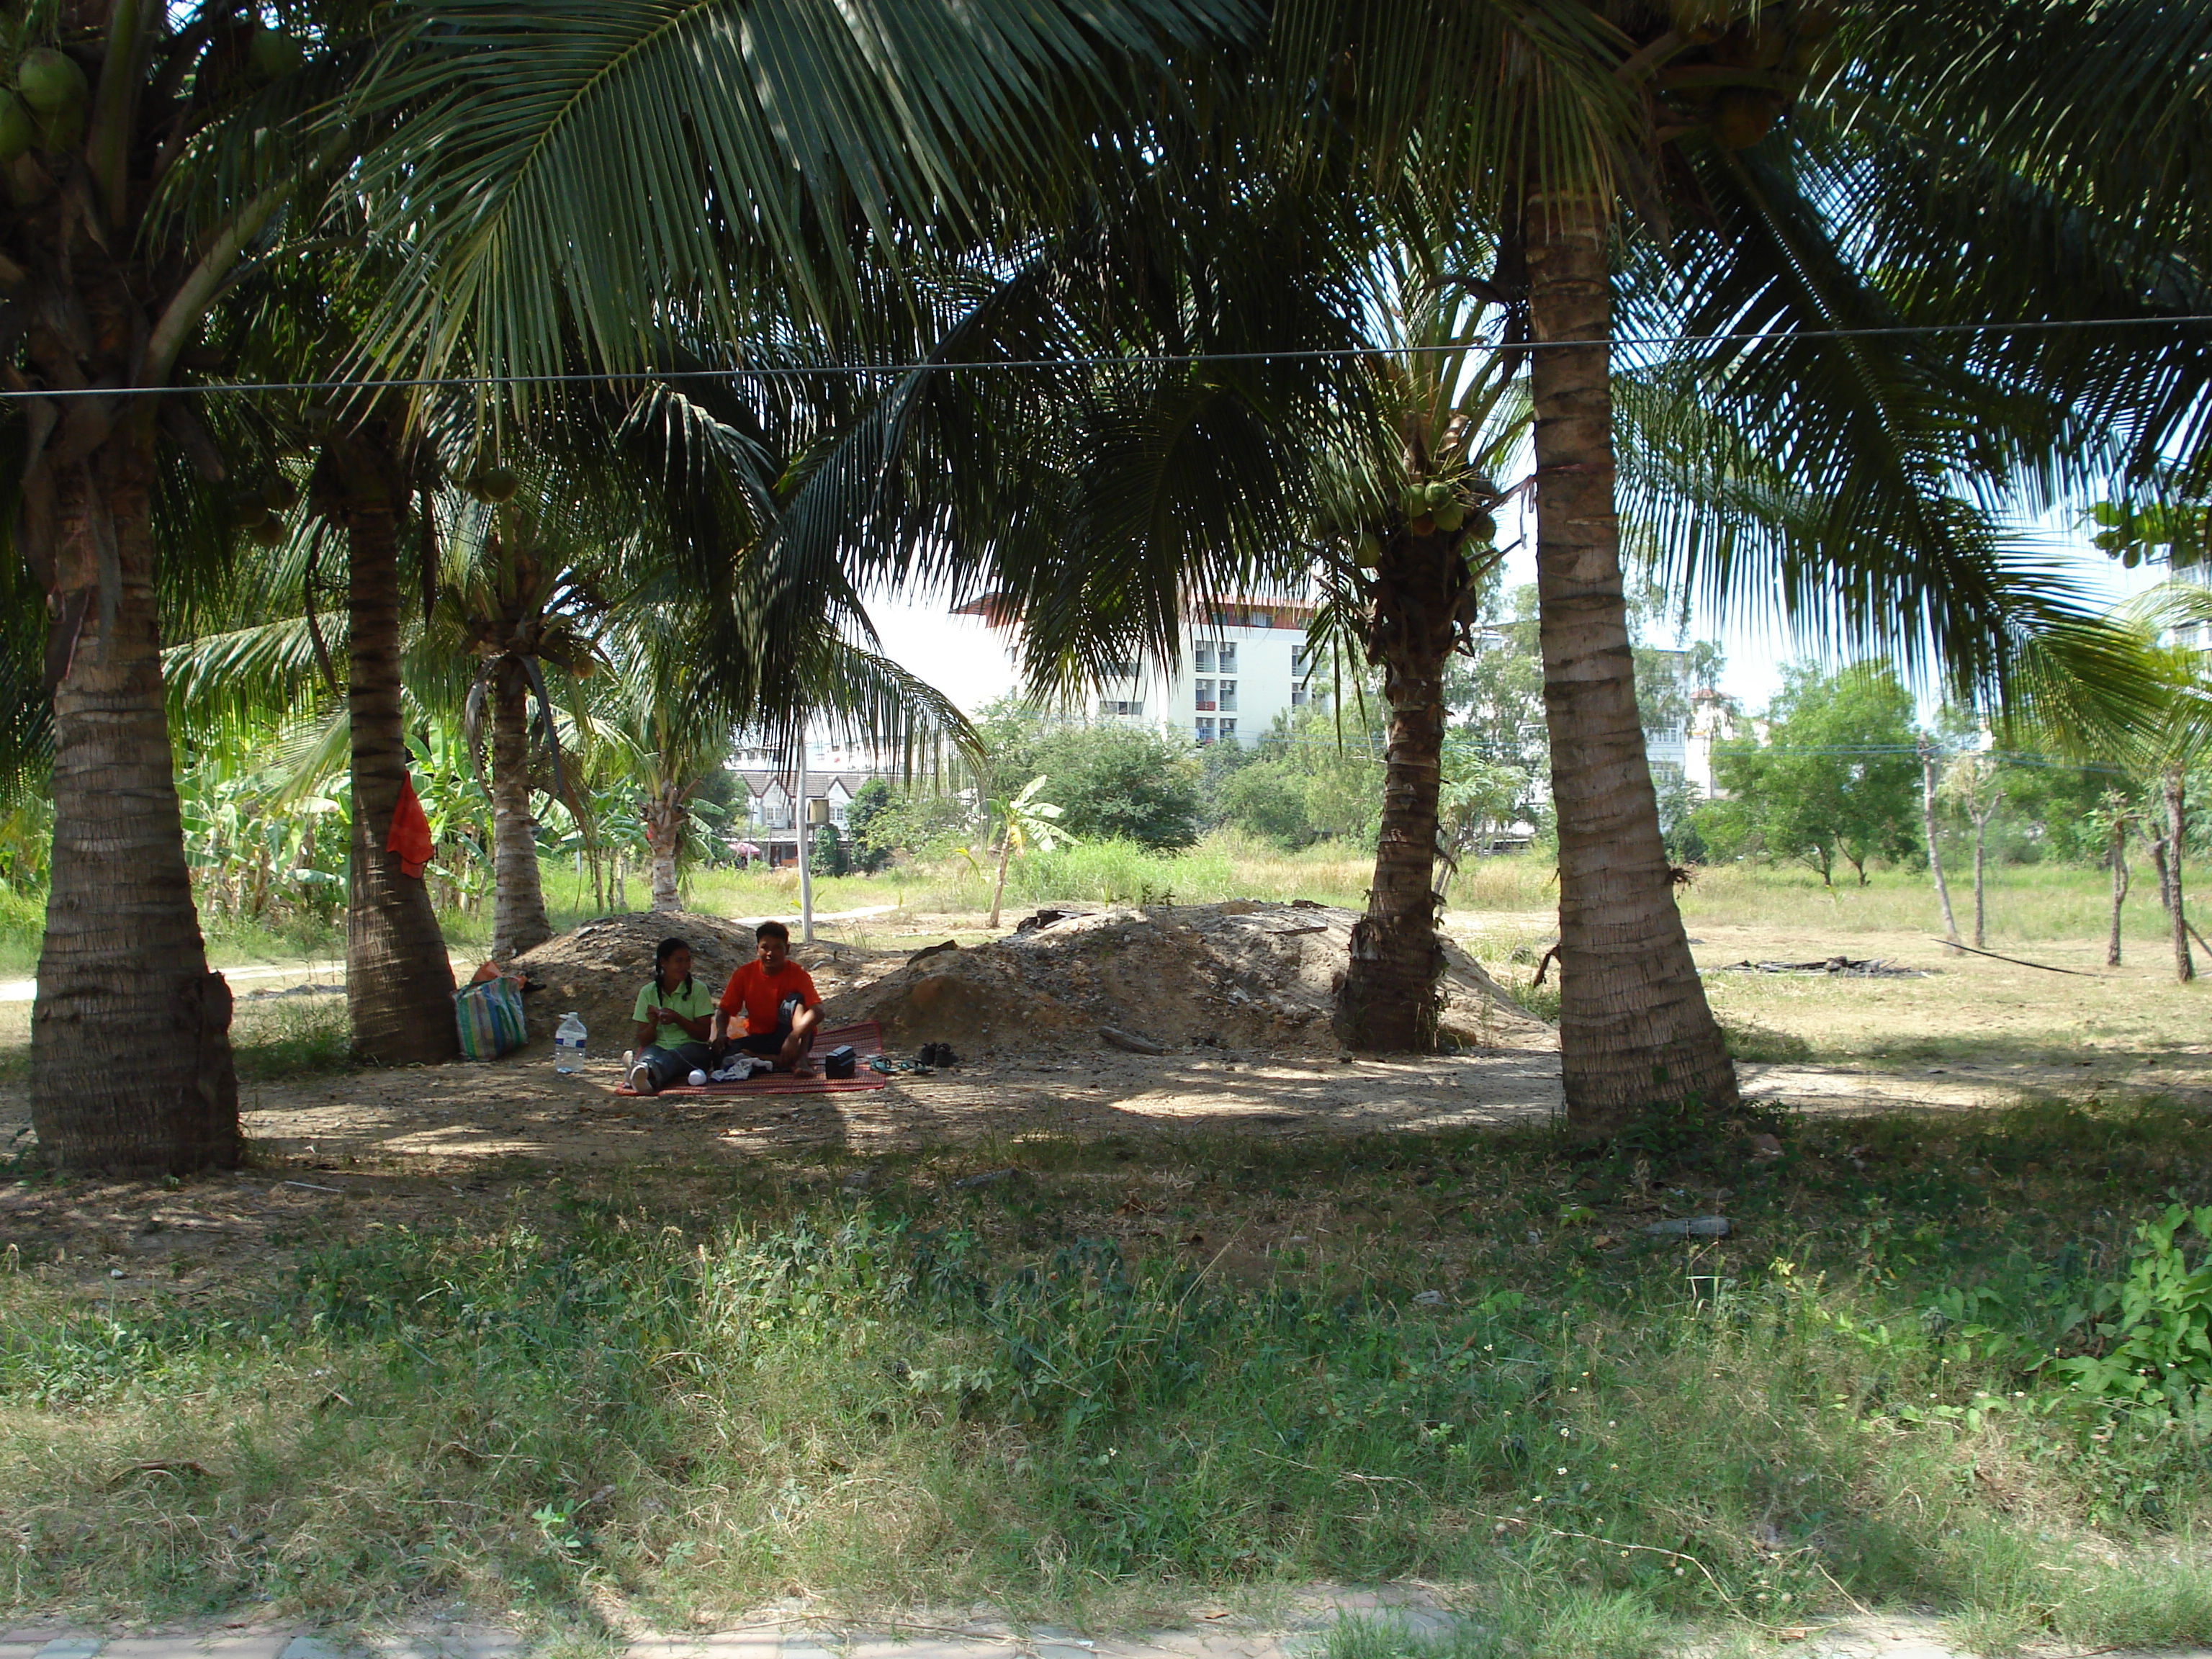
x=273 y=52
x=1450 y=516
x=248 y=507
x=63 y=128
x=19 y=130
x=282 y=495
x=495 y=484
x=268 y=531
x=1436 y=495
x=1369 y=552
x=1424 y=525
x=1481 y=527
x=51 y=79
x=1742 y=118
x=1412 y=501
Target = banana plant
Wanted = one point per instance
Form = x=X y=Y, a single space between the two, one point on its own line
x=1024 y=821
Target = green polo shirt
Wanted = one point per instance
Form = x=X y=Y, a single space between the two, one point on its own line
x=693 y=1001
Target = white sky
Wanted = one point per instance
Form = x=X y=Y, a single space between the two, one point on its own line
x=963 y=658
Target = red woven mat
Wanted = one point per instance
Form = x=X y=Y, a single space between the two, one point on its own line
x=866 y=1038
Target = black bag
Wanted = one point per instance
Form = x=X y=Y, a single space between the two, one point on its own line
x=840 y=1062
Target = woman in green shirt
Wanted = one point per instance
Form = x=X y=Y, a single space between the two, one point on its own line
x=672 y=1016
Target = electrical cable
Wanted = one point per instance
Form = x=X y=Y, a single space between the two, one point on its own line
x=1192 y=360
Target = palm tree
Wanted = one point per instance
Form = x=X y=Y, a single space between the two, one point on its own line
x=657 y=729
x=1853 y=478
x=519 y=597
x=400 y=979
x=1403 y=559
x=139 y=195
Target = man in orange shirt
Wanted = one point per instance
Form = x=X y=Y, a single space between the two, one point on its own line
x=777 y=999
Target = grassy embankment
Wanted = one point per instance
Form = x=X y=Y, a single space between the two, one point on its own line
x=1133 y=1374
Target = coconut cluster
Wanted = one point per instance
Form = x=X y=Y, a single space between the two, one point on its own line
x=1438 y=507
x=259 y=511
x=51 y=100
x=47 y=106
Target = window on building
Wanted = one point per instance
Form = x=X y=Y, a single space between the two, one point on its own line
x=1201 y=659
x=1228 y=730
x=1121 y=671
x=1262 y=619
x=1297 y=659
x=1228 y=694
x=1205 y=731
x=1297 y=696
x=1122 y=706
x=1228 y=658
x=1204 y=691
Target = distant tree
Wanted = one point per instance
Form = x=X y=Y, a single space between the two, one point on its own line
x=1310 y=777
x=1837 y=776
x=1497 y=696
x=1269 y=797
x=1479 y=797
x=869 y=804
x=826 y=855
x=1125 y=783
x=914 y=822
x=1973 y=784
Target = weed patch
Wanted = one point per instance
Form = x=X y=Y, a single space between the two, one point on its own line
x=1147 y=1369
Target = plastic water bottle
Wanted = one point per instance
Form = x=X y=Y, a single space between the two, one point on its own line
x=569 y=1044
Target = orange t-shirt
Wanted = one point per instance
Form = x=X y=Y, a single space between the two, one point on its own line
x=758 y=996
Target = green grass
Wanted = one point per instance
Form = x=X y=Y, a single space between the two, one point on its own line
x=1136 y=1371
x=2027 y=903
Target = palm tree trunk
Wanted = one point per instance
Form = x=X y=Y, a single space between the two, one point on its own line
x=1635 y=1030
x=399 y=982
x=2185 y=969
x=1388 y=999
x=2156 y=846
x=663 y=834
x=518 y=920
x=1934 y=851
x=2119 y=862
x=130 y=1061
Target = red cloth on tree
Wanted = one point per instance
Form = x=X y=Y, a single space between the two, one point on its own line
x=410 y=833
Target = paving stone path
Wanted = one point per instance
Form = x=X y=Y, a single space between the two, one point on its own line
x=1303 y=1637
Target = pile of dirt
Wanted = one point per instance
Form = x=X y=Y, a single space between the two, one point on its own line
x=598 y=968
x=1238 y=974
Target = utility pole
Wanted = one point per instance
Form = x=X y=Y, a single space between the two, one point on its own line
x=805 y=819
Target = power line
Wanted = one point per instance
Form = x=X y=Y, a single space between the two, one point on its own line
x=1189 y=359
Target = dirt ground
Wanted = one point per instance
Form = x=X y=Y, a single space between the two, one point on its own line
x=393 y=1147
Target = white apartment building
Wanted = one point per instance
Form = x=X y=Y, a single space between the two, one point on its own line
x=1241 y=663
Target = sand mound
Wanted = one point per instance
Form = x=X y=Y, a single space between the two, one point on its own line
x=1242 y=975
x=598 y=968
